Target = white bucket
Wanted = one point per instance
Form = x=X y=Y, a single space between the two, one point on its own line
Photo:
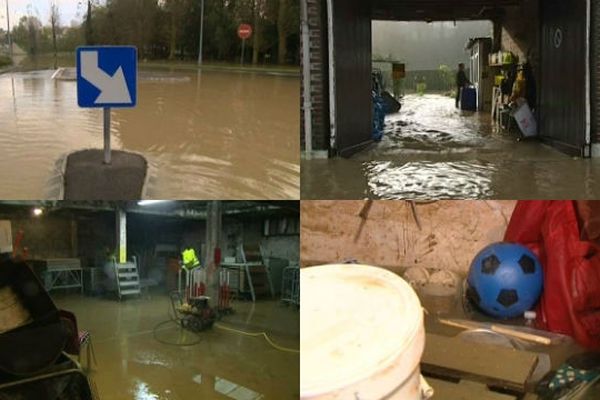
x=525 y=120
x=361 y=334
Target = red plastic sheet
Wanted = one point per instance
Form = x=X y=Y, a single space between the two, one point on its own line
x=558 y=233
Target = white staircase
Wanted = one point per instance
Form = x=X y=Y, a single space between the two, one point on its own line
x=128 y=279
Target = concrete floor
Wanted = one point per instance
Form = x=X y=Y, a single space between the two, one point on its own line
x=431 y=150
x=132 y=364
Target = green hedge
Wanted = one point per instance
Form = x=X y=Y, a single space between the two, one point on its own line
x=437 y=80
x=4 y=61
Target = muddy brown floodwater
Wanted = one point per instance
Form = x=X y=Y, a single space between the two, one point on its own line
x=210 y=135
x=430 y=150
x=140 y=356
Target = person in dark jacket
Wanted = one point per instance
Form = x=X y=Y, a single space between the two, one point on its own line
x=461 y=81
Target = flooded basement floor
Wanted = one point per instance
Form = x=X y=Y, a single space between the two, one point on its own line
x=210 y=135
x=431 y=150
x=132 y=364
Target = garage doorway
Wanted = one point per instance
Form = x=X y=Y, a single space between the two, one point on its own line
x=526 y=25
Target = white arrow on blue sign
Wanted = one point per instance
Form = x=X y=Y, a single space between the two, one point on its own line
x=107 y=76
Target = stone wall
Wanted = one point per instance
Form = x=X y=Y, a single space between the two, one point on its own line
x=450 y=233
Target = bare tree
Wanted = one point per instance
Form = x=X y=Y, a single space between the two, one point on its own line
x=54 y=23
x=34 y=27
x=89 y=33
x=258 y=6
x=282 y=30
x=177 y=12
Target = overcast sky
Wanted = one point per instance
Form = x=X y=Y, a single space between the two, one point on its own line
x=69 y=10
x=424 y=46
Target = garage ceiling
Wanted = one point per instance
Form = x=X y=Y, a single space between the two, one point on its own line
x=439 y=10
x=180 y=209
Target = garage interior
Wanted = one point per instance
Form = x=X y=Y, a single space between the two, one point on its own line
x=157 y=300
x=558 y=39
x=433 y=245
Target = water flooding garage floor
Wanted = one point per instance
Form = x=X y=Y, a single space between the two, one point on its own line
x=209 y=134
x=132 y=364
x=433 y=151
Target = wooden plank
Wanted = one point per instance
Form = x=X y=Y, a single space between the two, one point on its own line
x=492 y=365
x=464 y=390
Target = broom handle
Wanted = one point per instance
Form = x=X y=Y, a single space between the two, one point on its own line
x=530 y=337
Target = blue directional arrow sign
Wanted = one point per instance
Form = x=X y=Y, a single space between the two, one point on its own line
x=107 y=76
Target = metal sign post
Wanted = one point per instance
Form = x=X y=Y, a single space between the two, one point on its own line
x=244 y=32
x=10 y=46
x=106 y=78
x=243 y=48
x=201 y=32
x=107 y=135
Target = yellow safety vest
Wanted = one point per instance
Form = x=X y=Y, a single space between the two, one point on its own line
x=189 y=259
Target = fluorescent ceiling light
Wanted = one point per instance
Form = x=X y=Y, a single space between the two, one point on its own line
x=150 y=202
x=37 y=211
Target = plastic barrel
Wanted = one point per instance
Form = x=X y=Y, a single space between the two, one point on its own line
x=361 y=334
x=468 y=99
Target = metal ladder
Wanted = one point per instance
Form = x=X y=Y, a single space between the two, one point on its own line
x=290 y=285
x=263 y=260
x=128 y=279
x=266 y=263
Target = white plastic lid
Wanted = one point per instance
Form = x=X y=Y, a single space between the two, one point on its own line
x=356 y=321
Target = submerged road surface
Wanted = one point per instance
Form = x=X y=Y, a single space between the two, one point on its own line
x=209 y=135
x=433 y=151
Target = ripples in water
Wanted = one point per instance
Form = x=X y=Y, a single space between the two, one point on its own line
x=430 y=123
x=221 y=135
x=423 y=181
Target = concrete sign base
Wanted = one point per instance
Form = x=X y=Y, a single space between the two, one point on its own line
x=86 y=177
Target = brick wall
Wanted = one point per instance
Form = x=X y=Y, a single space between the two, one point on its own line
x=317 y=21
x=44 y=237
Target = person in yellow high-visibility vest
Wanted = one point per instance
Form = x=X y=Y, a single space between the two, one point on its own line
x=189 y=259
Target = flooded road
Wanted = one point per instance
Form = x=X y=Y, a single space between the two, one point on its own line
x=209 y=135
x=430 y=150
x=141 y=360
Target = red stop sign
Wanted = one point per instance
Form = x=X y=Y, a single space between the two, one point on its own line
x=244 y=31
